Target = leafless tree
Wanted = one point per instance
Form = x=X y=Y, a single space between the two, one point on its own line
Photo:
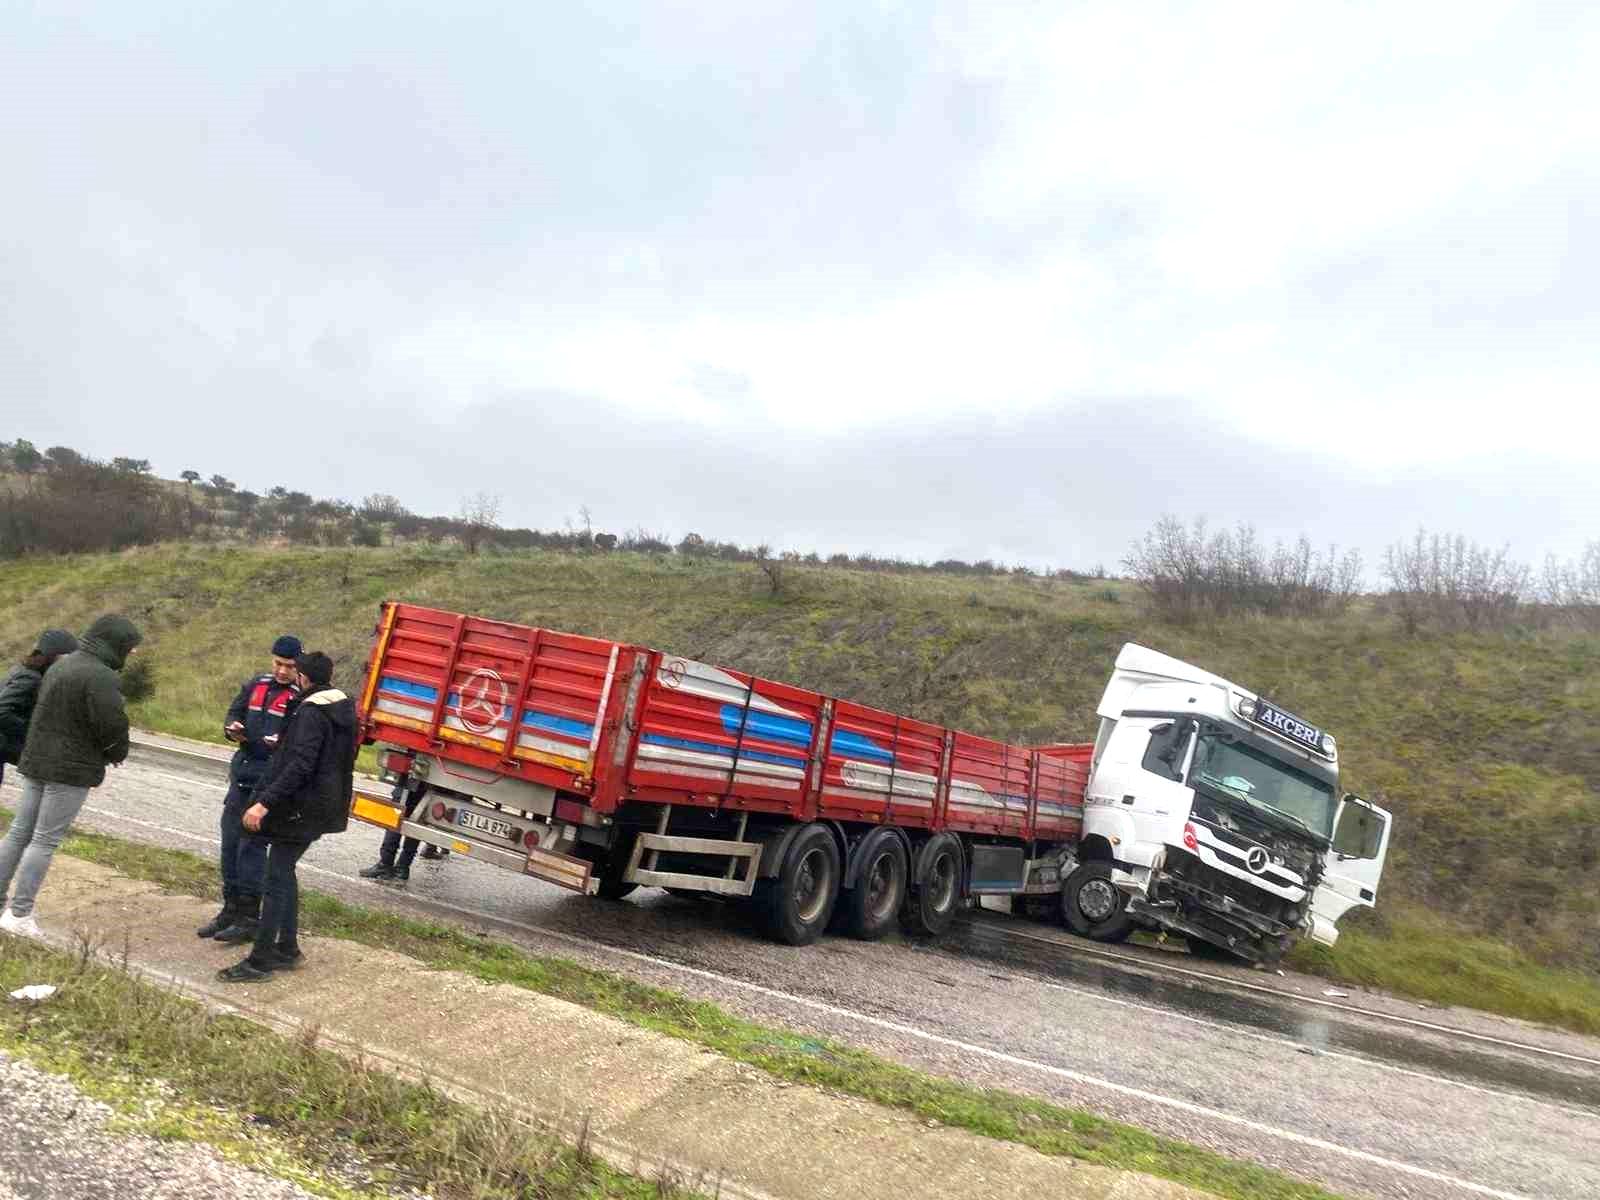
x=773 y=568
x=480 y=517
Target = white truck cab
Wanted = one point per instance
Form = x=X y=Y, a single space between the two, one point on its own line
x=1214 y=813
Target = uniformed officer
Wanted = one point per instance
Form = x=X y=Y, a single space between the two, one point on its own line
x=254 y=720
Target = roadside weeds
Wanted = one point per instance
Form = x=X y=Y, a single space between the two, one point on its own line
x=285 y=1106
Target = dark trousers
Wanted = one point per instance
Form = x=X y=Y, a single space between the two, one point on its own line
x=280 y=912
x=244 y=855
x=393 y=843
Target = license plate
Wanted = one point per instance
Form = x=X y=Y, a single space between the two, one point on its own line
x=478 y=823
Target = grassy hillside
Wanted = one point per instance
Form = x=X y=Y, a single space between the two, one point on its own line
x=1487 y=746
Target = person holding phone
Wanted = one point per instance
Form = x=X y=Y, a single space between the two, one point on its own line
x=254 y=721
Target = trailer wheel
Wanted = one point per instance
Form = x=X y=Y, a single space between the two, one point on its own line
x=609 y=871
x=870 y=908
x=1092 y=906
x=799 y=902
x=930 y=906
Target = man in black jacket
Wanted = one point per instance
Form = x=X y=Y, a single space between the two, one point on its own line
x=255 y=721
x=306 y=794
x=79 y=727
x=21 y=690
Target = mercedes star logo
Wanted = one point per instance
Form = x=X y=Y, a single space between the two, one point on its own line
x=1256 y=859
x=483 y=701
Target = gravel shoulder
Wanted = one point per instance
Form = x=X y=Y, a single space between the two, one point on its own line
x=56 y=1143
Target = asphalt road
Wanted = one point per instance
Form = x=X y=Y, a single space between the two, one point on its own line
x=1370 y=1096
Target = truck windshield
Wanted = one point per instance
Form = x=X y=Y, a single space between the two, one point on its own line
x=1236 y=769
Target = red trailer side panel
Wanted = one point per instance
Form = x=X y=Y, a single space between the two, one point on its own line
x=618 y=722
x=880 y=768
x=711 y=736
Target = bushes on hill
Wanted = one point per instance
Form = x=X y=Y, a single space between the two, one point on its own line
x=1188 y=572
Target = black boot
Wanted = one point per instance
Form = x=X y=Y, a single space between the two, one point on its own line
x=246 y=920
x=222 y=920
x=377 y=870
x=432 y=851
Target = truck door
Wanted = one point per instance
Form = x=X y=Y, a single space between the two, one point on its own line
x=1352 y=867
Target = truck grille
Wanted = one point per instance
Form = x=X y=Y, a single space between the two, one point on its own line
x=1187 y=867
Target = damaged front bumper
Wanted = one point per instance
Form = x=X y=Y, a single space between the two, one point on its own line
x=1184 y=906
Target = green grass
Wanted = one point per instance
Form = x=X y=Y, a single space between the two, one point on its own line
x=1048 y=1128
x=1412 y=952
x=176 y=1070
x=1486 y=746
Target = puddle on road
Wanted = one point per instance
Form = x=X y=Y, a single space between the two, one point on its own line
x=1316 y=1029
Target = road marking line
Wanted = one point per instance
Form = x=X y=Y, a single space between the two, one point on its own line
x=1088 y=949
x=1079 y=1077
x=1097 y=997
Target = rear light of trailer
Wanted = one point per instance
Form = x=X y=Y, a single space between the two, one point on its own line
x=531 y=839
x=442 y=814
x=398 y=762
x=437 y=811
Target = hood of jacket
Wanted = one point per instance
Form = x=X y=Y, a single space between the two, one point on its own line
x=340 y=709
x=111 y=639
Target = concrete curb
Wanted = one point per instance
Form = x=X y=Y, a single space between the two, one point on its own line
x=647 y=1102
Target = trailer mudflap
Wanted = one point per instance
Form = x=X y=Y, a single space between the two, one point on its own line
x=563 y=870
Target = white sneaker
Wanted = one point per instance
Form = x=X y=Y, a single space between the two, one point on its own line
x=21 y=926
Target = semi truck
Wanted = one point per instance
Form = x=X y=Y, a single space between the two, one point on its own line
x=603 y=766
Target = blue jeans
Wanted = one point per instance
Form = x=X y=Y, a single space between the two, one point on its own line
x=244 y=855
x=280 y=913
x=44 y=814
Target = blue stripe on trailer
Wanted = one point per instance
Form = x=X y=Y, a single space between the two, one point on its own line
x=656 y=739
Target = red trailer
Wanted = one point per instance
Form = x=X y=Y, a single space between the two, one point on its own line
x=603 y=766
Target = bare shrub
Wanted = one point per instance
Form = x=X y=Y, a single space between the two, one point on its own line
x=1572 y=590
x=1187 y=573
x=1453 y=583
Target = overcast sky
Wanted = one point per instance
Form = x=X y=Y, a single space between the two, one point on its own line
x=932 y=280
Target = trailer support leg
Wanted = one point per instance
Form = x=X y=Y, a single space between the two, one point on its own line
x=661 y=831
x=744 y=819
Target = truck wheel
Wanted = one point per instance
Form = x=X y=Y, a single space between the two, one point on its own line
x=930 y=906
x=870 y=908
x=1092 y=906
x=609 y=871
x=799 y=902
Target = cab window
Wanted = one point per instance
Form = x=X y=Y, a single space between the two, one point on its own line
x=1164 y=755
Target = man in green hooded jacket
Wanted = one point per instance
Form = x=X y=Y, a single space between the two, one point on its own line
x=79 y=725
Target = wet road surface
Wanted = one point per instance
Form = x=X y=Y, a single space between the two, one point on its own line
x=1355 y=1101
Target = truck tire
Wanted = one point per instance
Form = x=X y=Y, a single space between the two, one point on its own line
x=871 y=907
x=608 y=868
x=1092 y=906
x=797 y=905
x=931 y=904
